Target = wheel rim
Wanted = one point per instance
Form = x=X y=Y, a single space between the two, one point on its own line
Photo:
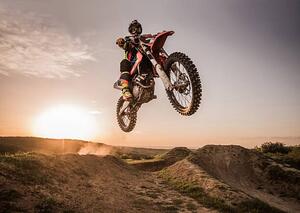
x=124 y=115
x=183 y=91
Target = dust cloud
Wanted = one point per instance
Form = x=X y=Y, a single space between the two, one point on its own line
x=92 y=149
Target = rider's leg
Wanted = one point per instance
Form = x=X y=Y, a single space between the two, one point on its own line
x=125 y=67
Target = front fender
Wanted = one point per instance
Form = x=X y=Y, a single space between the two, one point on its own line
x=160 y=40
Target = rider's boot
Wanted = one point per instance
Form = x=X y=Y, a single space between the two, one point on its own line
x=125 y=90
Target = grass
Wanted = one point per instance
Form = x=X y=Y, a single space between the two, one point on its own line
x=80 y=172
x=9 y=195
x=275 y=172
x=8 y=201
x=169 y=209
x=194 y=191
x=132 y=161
x=291 y=157
x=256 y=206
x=285 y=178
x=191 y=206
x=177 y=201
x=140 y=203
x=47 y=205
x=24 y=167
x=9 y=207
x=153 y=195
x=135 y=156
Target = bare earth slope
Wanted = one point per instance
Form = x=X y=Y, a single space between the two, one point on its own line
x=211 y=179
x=164 y=160
x=252 y=173
x=64 y=146
x=236 y=175
x=83 y=183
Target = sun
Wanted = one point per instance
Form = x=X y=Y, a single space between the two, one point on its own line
x=65 y=122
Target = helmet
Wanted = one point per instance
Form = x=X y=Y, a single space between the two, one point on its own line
x=135 y=28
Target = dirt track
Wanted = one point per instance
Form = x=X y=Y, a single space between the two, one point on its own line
x=210 y=179
x=87 y=183
x=252 y=173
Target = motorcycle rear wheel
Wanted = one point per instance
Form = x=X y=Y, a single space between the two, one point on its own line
x=186 y=96
x=126 y=116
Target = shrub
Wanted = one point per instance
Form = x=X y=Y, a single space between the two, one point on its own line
x=274 y=148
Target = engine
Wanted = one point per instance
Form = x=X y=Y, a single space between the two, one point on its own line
x=143 y=88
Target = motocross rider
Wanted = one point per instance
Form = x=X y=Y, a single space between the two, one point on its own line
x=135 y=28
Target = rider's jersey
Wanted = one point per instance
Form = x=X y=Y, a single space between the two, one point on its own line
x=130 y=52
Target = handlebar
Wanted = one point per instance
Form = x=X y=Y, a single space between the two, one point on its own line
x=132 y=39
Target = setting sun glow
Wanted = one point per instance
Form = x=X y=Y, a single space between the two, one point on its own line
x=65 y=122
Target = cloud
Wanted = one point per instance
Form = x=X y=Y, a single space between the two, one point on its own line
x=33 y=45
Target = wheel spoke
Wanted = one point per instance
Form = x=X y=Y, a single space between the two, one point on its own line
x=125 y=117
x=184 y=98
x=187 y=101
x=173 y=77
x=177 y=97
x=175 y=93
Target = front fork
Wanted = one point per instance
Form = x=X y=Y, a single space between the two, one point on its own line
x=176 y=71
x=160 y=71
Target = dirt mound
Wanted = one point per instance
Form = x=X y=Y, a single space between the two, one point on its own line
x=32 y=182
x=252 y=173
x=176 y=154
x=42 y=145
x=223 y=178
x=163 y=161
x=38 y=182
x=64 y=146
x=192 y=173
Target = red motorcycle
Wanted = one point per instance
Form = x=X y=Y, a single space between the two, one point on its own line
x=177 y=72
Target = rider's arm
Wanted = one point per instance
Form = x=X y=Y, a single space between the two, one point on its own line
x=124 y=44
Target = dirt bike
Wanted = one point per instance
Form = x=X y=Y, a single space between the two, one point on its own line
x=177 y=72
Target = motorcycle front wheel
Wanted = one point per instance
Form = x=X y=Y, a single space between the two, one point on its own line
x=126 y=115
x=183 y=74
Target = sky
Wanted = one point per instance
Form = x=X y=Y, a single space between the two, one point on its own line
x=62 y=54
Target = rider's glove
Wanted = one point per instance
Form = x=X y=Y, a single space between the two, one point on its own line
x=120 y=42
